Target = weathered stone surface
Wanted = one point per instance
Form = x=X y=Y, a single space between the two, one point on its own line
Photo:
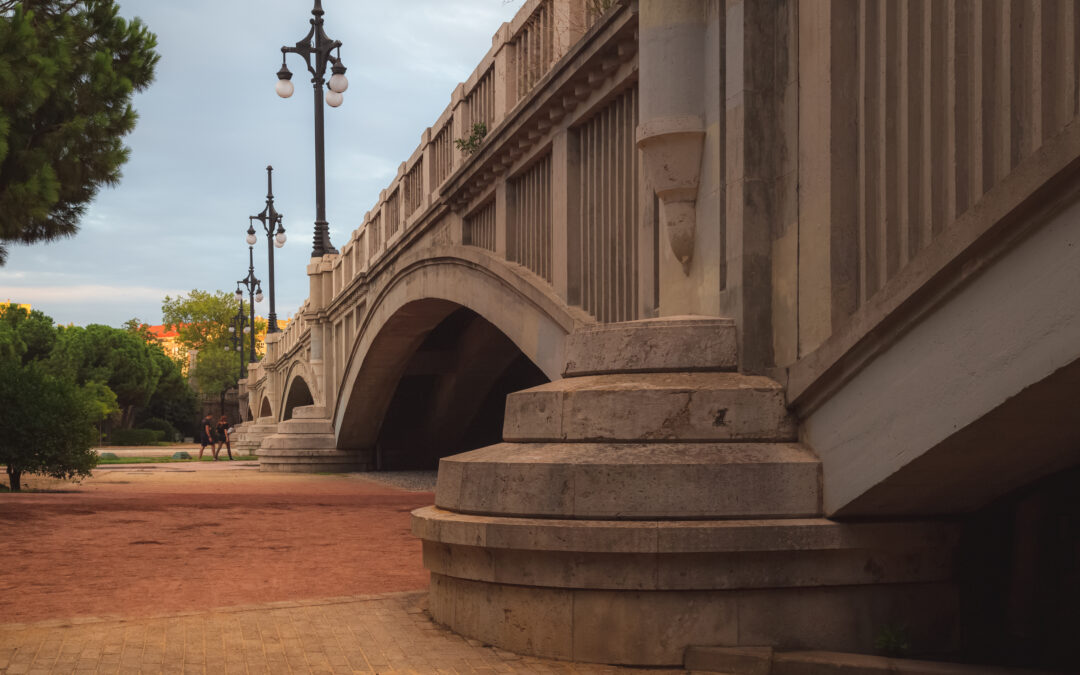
x=670 y=555
x=520 y=619
x=652 y=345
x=656 y=627
x=248 y=436
x=305 y=445
x=651 y=407
x=633 y=480
x=305 y=426
x=310 y=412
x=838 y=663
x=731 y=660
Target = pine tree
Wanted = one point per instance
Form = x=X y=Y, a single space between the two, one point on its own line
x=68 y=71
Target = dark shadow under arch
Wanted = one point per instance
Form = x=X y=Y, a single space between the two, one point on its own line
x=265 y=410
x=299 y=395
x=440 y=387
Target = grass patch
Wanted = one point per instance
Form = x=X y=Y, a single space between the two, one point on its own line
x=170 y=460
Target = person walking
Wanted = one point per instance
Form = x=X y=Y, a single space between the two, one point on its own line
x=221 y=435
x=206 y=436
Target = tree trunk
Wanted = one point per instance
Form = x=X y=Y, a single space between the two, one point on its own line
x=14 y=479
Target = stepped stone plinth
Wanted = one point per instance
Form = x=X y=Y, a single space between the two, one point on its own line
x=247 y=437
x=655 y=499
x=306 y=444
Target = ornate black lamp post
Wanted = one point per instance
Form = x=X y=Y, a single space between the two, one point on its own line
x=255 y=294
x=269 y=217
x=238 y=327
x=315 y=47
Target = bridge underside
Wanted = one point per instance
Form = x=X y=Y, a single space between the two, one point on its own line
x=452 y=393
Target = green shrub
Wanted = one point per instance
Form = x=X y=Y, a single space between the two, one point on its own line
x=893 y=641
x=137 y=436
x=171 y=433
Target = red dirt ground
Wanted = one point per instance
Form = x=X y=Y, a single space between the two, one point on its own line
x=139 y=543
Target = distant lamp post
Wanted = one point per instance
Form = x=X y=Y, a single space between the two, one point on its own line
x=315 y=47
x=270 y=219
x=237 y=331
x=255 y=294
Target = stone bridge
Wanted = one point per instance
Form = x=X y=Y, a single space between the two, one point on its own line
x=758 y=320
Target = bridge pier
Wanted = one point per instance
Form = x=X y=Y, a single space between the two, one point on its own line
x=655 y=499
x=249 y=436
x=305 y=444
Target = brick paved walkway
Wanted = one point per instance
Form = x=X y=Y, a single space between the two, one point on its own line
x=375 y=634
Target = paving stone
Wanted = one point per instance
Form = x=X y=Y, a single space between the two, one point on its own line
x=373 y=634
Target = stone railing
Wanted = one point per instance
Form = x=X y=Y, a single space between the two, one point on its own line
x=516 y=196
x=932 y=116
x=523 y=53
x=279 y=344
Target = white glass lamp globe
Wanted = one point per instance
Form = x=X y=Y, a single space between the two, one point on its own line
x=284 y=88
x=279 y=239
x=238 y=349
x=259 y=297
x=334 y=99
x=251 y=239
x=239 y=295
x=232 y=329
x=247 y=329
x=338 y=83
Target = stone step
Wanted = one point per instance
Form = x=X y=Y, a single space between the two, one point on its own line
x=751 y=536
x=299 y=441
x=305 y=426
x=653 y=345
x=633 y=480
x=767 y=661
x=310 y=412
x=310 y=460
x=642 y=592
x=651 y=407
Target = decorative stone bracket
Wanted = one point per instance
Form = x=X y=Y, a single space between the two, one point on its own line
x=671 y=150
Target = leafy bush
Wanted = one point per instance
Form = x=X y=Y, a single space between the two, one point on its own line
x=471 y=144
x=171 y=433
x=47 y=422
x=137 y=436
x=893 y=641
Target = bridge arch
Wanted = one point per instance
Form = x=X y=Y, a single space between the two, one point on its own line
x=445 y=284
x=297 y=394
x=265 y=409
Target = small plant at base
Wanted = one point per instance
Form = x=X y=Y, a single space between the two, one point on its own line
x=472 y=143
x=892 y=640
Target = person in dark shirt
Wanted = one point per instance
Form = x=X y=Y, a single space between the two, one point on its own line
x=221 y=435
x=206 y=436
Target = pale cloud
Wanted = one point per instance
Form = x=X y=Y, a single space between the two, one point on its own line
x=96 y=293
x=211 y=123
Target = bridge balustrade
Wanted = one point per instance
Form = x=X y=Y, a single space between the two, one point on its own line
x=525 y=221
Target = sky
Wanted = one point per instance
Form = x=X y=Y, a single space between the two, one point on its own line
x=211 y=123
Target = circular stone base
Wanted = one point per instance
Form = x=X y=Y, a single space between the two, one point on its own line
x=309 y=461
x=654 y=628
x=641 y=592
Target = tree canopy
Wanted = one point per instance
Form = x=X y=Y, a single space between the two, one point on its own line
x=202 y=319
x=47 y=419
x=173 y=399
x=117 y=358
x=68 y=71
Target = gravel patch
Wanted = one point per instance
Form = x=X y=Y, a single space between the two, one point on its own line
x=414 y=481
